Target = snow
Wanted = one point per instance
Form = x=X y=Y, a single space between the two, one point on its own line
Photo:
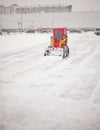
x=49 y=93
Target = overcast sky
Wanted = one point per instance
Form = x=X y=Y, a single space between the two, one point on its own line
x=77 y=5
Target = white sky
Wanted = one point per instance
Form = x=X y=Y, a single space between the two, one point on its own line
x=78 y=5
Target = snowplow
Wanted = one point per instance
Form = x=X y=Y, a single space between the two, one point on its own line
x=58 y=45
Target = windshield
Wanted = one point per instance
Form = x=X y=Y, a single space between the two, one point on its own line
x=58 y=34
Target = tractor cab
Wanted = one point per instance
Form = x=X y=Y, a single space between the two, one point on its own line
x=58 y=34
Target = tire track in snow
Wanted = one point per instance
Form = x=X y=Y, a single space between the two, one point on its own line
x=84 y=83
x=17 y=62
x=9 y=57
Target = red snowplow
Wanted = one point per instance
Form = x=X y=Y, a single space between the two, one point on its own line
x=58 y=44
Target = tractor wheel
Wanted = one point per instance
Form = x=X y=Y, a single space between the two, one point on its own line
x=46 y=53
x=65 y=51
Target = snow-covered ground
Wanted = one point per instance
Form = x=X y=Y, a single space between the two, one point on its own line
x=49 y=93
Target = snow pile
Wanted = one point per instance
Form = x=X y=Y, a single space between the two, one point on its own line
x=49 y=93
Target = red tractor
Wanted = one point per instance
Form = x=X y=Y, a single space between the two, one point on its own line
x=58 y=43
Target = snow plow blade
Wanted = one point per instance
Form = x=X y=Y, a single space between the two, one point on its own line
x=64 y=51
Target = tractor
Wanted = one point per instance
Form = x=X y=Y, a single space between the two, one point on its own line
x=58 y=45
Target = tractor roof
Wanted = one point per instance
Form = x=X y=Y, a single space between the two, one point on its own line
x=60 y=28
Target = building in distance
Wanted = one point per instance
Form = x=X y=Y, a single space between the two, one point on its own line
x=15 y=9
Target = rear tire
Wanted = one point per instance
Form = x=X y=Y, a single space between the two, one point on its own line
x=65 y=51
x=45 y=54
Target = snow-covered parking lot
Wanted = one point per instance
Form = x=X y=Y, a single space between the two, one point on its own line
x=49 y=93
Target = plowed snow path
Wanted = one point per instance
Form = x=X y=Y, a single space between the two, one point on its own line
x=49 y=93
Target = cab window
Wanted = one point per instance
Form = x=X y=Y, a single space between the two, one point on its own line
x=58 y=34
